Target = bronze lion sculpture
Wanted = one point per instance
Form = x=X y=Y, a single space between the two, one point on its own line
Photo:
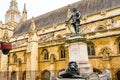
x=71 y=71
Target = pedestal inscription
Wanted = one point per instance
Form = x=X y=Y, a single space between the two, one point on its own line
x=78 y=52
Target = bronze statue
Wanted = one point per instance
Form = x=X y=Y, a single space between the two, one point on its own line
x=75 y=17
x=71 y=72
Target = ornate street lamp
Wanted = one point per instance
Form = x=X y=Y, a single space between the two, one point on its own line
x=5 y=47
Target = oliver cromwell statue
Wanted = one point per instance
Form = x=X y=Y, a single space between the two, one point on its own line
x=75 y=20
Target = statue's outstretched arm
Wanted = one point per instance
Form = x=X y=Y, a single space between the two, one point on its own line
x=69 y=19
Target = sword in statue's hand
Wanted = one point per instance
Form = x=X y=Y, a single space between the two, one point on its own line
x=66 y=22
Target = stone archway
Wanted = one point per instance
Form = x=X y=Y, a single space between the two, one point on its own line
x=37 y=78
x=14 y=75
x=46 y=75
x=24 y=75
x=118 y=75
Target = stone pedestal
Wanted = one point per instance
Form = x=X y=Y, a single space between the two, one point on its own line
x=78 y=52
x=32 y=49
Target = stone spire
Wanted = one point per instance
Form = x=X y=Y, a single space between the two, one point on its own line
x=32 y=26
x=24 y=10
x=24 y=13
x=13 y=6
x=32 y=33
x=69 y=12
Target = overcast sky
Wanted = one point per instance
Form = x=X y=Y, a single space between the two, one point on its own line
x=34 y=7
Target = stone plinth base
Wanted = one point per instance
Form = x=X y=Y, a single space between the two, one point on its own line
x=77 y=49
x=78 y=52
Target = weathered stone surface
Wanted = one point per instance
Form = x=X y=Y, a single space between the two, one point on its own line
x=78 y=52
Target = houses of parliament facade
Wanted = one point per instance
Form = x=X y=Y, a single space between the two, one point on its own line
x=39 y=44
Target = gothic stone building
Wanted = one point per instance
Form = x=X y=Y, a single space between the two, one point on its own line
x=39 y=44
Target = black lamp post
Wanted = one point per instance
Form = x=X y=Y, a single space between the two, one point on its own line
x=6 y=47
x=8 y=67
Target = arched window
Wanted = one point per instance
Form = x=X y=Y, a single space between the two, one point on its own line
x=118 y=75
x=91 y=49
x=45 y=54
x=46 y=75
x=62 y=52
x=88 y=48
x=13 y=75
x=14 y=58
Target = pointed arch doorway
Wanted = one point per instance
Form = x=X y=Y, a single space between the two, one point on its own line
x=13 y=75
x=46 y=75
x=118 y=75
